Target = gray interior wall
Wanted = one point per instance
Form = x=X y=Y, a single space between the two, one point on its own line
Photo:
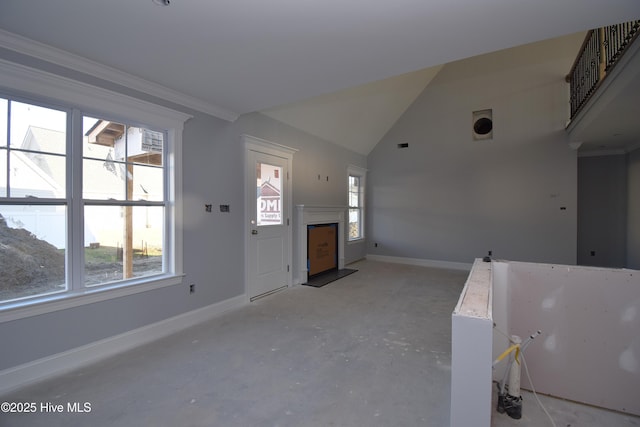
x=216 y=270
x=315 y=157
x=213 y=242
x=633 y=210
x=447 y=197
x=602 y=211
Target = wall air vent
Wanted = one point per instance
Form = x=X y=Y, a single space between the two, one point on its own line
x=482 y=125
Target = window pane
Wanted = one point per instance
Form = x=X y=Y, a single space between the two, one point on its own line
x=103 y=180
x=3 y=122
x=354 y=182
x=38 y=128
x=117 y=248
x=269 y=184
x=32 y=250
x=354 y=191
x=354 y=224
x=145 y=146
x=37 y=148
x=99 y=139
x=37 y=175
x=103 y=139
x=3 y=172
x=354 y=199
x=147 y=183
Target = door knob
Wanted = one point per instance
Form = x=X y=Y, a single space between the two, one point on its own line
x=254 y=231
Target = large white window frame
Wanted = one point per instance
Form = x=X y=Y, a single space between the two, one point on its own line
x=361 y=174
x=78 y=98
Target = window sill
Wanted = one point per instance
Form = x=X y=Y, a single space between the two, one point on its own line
x=354 y=241
x=50 y=303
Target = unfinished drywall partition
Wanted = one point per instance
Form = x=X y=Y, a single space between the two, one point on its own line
x=589 y=350
x=500 y=311
x=471 y=351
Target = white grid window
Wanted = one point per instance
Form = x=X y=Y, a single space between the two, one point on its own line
x=87 y=203
x=356 y=187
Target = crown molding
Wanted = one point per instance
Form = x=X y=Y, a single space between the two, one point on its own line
x=32 y=80
x=71 y=61
x=603 y=152
x=633 y=147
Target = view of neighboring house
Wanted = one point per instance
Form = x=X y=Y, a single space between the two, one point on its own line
x=38 y=172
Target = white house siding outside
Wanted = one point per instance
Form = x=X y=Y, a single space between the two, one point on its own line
x=38 y=176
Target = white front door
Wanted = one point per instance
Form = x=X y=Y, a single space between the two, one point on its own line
x=268 y=189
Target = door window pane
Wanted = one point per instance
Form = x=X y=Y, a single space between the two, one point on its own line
x=269 y=187
x=32 y=250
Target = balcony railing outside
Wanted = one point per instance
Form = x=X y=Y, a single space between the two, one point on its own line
x=601 y=50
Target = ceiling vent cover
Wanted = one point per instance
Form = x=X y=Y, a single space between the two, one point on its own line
x=482 y=125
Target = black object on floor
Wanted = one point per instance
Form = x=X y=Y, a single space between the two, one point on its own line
x=322 y=279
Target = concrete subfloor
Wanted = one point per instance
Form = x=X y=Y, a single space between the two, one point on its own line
x=372 y=349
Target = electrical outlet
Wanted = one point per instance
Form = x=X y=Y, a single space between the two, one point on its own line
x=224 y=208
x=375 y=245
x=207 y=208
x=192 y=288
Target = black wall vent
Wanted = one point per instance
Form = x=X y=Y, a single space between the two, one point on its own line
x=482 y=125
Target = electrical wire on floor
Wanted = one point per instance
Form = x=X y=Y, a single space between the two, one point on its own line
x=533 y=390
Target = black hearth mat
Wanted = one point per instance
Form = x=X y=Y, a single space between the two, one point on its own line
x=319 y=280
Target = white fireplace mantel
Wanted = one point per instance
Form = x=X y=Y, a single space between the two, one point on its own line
x=310 y=215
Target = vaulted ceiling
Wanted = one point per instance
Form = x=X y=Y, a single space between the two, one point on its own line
x=292 y=60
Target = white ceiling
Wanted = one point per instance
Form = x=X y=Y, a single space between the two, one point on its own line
x=358 y=117
x=240 y=56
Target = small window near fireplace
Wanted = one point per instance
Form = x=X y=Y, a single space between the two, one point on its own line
x=356 y=190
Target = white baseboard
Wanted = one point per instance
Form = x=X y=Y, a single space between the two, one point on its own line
x=50 y=366
x=422 y=262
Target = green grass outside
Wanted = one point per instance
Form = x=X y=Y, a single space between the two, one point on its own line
x=110 y=254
